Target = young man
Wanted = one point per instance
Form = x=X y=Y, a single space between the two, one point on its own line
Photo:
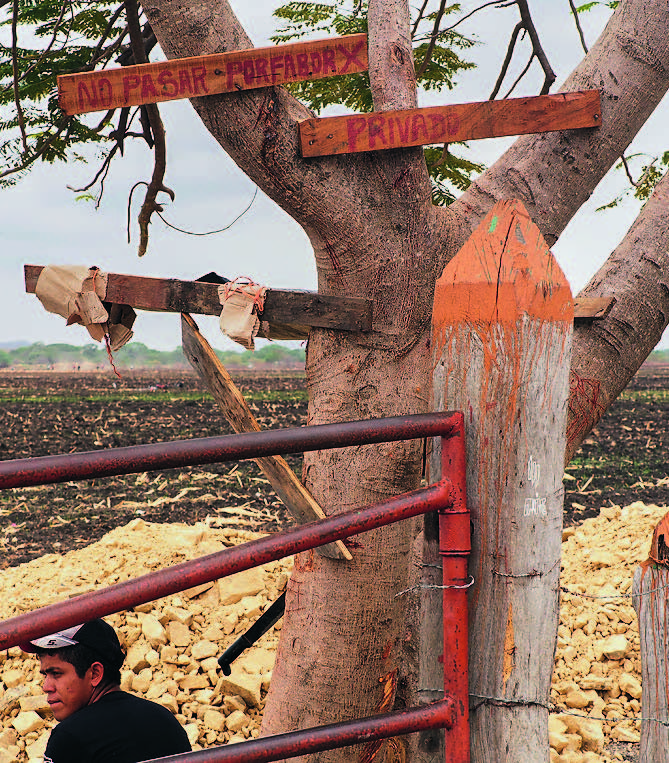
x=99 y=723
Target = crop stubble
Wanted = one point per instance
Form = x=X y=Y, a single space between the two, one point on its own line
x=622 y=461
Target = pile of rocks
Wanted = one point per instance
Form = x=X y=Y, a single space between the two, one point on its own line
x=173 y=644
x=597 y=666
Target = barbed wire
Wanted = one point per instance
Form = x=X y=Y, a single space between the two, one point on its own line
x=426 y=587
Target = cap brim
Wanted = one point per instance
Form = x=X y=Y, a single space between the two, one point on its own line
x=55 y=641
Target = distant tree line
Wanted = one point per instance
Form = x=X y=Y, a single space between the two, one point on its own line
x=138 y=355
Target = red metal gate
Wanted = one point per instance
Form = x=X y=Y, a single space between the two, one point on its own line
x=447 y=496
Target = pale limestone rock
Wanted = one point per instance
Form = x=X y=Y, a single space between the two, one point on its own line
x=136 y=657
x=622 y=733
x=192 y=732
x=203 y=649
x=214 y=720
x=190 y=682
x=170 y=702
x=252 y=606
x=26 y=722
x=179 y=614
x=244 y=684
x=233 y=702
x=577 y=699
x=8 y=737
x=153 y=631
x=630 y=685
x=169 y=654
x=213 y=633
x=36 y=702
x=140 y=683
x=256 y=660
x=615 y=647
x=10 y=754
x=557 y=741
x=235 y=587
x=599 y=683
x=236 y=721
x=13 y=678
x=601 y=558
x=35 y=751
x=591 y=733
x=178 y=634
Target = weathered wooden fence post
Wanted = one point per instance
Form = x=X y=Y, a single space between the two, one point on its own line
x=650 y=594
x=503 y=317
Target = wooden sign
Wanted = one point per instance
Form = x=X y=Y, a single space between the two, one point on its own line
x=449 y=124
x=207 y=75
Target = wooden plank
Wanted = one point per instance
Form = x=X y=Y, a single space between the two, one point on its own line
x=502 y=328
x=650 y=599
x=449 y=124
x=207 y=75
x=592 y=308
x=294 y=311
x=290 y=490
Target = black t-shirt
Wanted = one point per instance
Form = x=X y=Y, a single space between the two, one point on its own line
x=118 y=728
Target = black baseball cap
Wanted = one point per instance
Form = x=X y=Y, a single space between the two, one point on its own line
x=97 y=635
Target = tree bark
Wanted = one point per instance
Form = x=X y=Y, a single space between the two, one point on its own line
x=345 y=648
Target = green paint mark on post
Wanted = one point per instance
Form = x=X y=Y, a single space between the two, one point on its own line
x=493 y=224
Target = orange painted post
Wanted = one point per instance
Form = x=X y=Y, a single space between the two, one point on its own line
x=502 y=326
x=211 y=74
x=650 y=598
x=448 y=124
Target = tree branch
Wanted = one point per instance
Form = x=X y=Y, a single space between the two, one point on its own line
x=528 y=23
x=507 y=60
x=156 y=185
x=433 y=38
x=607 y=354
x=579 y=29
x=15 y=76
x=630 y=57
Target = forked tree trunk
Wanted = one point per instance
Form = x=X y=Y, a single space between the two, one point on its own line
x=503 y=319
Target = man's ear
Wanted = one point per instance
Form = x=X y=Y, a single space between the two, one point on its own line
x=97 y=672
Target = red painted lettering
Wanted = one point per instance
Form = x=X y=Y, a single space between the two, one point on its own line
x=329 y=60
x=232 y=68
x=131 y=82
x=376 y=125
x=303 y=64
x=185 y=85
x=355 y=126
x=275 y=63
x=199 y=73
x=351 y=57
x=85 y=96
x=261 y=69
x=167 y=82
x=453 y=124
x=391 y=131
x=105 y=92
x=316 y=62
x=249 y=71
x=418 y=125
x=148 y=90
x=289 y=67
x=403 y=129
x=437 y=126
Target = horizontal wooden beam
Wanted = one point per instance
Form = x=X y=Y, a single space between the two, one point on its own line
x=449 y=124
x=208 y=75
x=290 y=313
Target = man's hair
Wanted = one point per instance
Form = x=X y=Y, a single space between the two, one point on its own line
x=81 y=658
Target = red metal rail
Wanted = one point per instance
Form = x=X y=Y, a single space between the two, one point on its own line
x=294 y=743
x=208 y=450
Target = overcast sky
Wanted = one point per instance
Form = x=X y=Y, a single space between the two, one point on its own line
x=42 y=223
